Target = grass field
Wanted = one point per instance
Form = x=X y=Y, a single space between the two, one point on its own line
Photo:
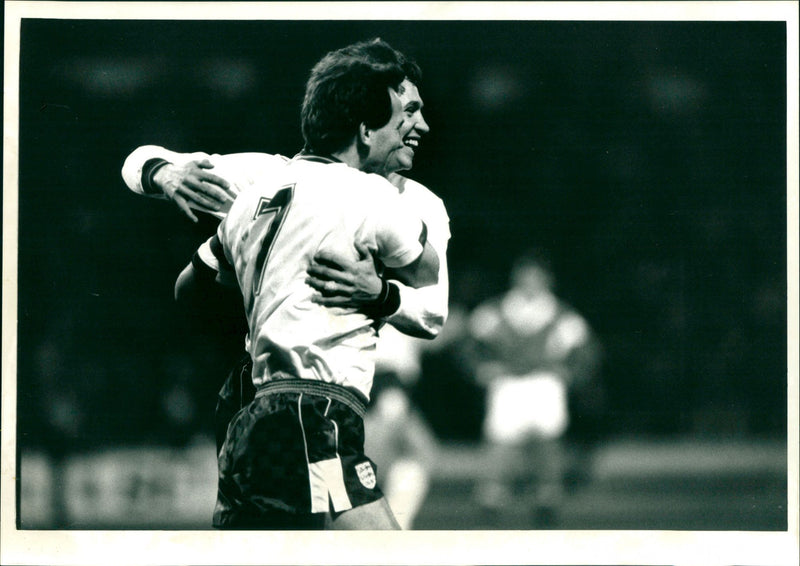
x=634 y=485
x=628 y=485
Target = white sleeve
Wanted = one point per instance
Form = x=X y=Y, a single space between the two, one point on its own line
x=423 y=311
x=397 y=229
x=213 y=255
x=241 y=170
x=207 y=256
x=134 y=164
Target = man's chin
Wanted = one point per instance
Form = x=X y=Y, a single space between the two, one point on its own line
x=404 y=164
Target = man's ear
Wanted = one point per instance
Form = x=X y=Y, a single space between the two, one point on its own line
x=364 y=134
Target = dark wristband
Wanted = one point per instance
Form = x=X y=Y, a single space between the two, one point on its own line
x=388 y=301
x=202 y=271
x=148 y=170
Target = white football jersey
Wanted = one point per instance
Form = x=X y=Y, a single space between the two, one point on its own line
x=422 y=311
x=271 y=234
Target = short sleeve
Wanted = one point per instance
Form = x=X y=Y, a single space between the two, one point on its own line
x=399 y=232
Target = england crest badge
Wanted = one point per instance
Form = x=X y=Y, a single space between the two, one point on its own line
x=366 y=475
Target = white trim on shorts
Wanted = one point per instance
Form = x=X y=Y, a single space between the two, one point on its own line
x=326 y=477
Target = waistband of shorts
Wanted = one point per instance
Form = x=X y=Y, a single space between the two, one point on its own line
x=340 y=393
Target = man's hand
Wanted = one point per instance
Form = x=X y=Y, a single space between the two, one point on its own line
x=192 y=185
x=342 y=282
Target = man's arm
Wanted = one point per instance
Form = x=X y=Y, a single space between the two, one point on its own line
x=191 y=185
x=423 y=311
x=420 y=312
x=183 y=178
x=421 y=272
x=357 y=284
x=198 y=282
x=187 y=180
x=208 y=290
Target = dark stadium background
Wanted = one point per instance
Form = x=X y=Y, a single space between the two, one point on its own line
x=648 y=157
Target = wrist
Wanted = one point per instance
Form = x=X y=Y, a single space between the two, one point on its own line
x=387 y=302
x=149 y=170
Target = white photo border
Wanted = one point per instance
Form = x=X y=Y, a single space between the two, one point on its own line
x=445 y=547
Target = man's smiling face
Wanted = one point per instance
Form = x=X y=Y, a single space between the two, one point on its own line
x=411 y=130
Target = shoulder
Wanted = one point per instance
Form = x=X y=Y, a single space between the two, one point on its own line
x=413 y=189
x=372 y=185
x=426 y=204
x=340 y=176
x=485 y=319
x=417 y=194
x=249 y=160
x=246 y=169
x=569 y=332
x=569 y=320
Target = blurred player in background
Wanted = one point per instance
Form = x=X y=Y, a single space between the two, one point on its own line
x=533 y=350
x=188 y=181
x=399 y=439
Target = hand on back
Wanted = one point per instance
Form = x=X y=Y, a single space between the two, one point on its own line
x=342 y=282
x=192 y=185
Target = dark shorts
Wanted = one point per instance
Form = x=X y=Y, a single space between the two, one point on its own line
x=237 y=391
x=293 y=454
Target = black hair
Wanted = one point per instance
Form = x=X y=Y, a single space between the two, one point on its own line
x=348 y=87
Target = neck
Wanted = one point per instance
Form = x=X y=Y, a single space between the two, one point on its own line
x=357 y=156
x=350 y=156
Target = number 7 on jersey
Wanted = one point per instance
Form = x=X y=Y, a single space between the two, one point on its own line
x=268 y=218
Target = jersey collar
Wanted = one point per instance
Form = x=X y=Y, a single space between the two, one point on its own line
x=308 y=156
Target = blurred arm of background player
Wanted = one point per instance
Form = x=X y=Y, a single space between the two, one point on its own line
x=187 y=180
